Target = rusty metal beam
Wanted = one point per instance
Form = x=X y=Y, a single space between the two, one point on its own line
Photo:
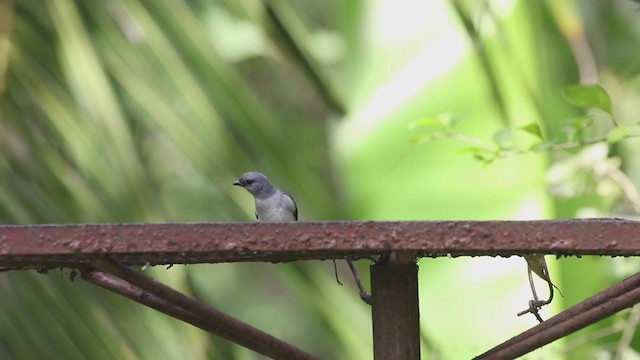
x=45 y=246
x=394 y=285
x=395 y=311
x=149 y=292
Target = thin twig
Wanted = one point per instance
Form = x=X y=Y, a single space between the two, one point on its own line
x=627 y=334
x=534 y=305
x=579 y=143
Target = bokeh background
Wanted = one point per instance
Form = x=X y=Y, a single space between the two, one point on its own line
x=147 y=111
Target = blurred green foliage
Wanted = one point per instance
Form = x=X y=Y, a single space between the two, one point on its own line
x=147 y=111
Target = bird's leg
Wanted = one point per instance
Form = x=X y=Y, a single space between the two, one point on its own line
x=335 y=269
x=366 y=297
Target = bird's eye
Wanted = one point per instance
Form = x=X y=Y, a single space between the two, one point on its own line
x=249 y=182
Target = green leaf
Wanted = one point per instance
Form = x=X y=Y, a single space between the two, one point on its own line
x=421 y=139
x=574 y=127
x=479 y=153
x=616 y=134
x=441 y=121
x=427 y=121
x=447 y=120
x=542 y=146
x=588 y=96
x=580 y=122
x=533 y=129
x=504 y=137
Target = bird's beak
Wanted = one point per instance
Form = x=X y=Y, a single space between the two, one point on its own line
x=237 y=183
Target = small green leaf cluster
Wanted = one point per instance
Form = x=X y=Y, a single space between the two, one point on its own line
x=530 y=138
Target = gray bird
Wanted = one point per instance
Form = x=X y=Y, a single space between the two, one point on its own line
x=271 y=203
x=275 y=205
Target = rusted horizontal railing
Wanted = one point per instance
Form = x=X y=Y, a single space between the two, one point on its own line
x=99 y=251
x=38 y=246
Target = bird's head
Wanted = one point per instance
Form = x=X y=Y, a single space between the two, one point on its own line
x=255 y=183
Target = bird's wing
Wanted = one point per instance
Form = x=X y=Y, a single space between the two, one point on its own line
x=293 y=206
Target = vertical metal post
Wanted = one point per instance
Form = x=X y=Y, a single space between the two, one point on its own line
x=396 y=316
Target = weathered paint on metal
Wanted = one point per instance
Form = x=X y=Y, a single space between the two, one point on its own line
x=36 y=246
x=395 y=311
x=150 y=292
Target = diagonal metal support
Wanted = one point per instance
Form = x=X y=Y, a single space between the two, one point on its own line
x=147 y=291
x=623 y=295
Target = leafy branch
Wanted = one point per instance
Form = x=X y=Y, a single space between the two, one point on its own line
x=530 y=138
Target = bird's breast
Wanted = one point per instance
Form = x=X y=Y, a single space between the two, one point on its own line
x=273 y=210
